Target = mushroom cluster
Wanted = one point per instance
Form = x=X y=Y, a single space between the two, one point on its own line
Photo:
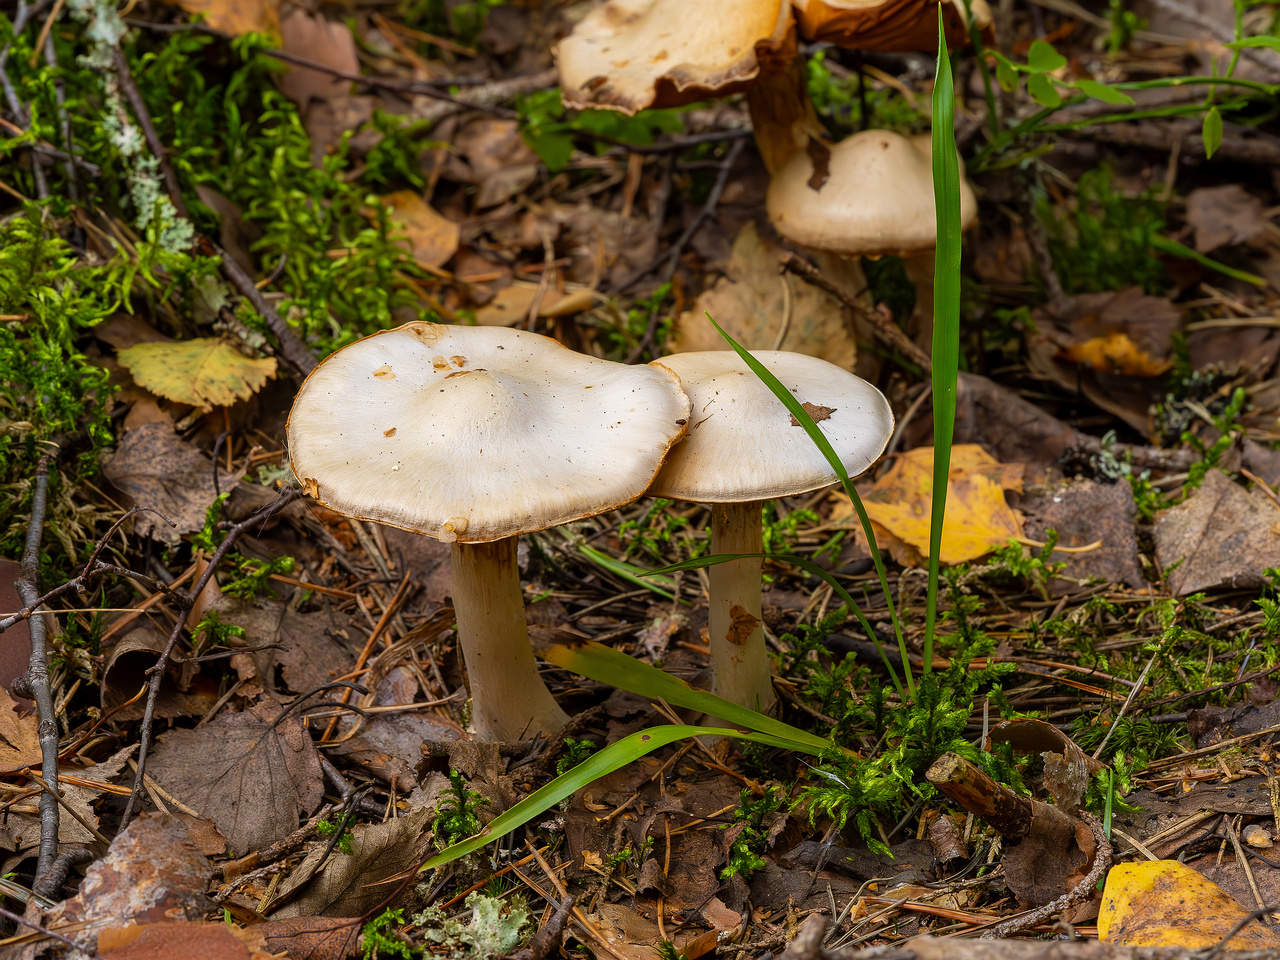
x=869 y=195
x=475 y=435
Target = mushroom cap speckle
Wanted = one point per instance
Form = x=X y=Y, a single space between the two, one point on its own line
x=478 y=433
x=630 y=55
x=877 y=198
x=742 y=444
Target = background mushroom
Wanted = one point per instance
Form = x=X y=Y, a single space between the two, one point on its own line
x=744 y=448
x=474 y=435
x=877 y=200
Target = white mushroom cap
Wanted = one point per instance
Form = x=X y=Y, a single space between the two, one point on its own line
x=629 y=55
x=478 y=433
x=742 y=444
x=877 y=198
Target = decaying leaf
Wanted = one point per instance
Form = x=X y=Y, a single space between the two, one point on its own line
x=432 y=237
x=253 y=773
x=754 y=301
x=184 y=939
x=977 y=521
x=512 y=304
x=315 y=938
x=1222 y=535
x=206 y=372
x=19 y=736
x=1225 y=215
x=151 y=874
x=159 y=470
x=1163 y=903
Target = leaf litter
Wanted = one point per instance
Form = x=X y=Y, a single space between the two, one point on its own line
x=1108 y=559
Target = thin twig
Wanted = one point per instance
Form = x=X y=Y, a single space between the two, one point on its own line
x=157 y=671
x=36 y=679
x=139 y=106
x=45 y=931
x=295 y=353
x=888 y=332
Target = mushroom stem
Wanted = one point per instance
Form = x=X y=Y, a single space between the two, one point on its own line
x=783 y=118
x=919 y=267
x=739 y=664
x=509 y=701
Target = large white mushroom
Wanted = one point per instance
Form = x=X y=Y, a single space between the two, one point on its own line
x=474 y=435
x=744 y=448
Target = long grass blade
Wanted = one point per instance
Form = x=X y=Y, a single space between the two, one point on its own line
x=946 y=317
x=611 y=758
x=820 y=440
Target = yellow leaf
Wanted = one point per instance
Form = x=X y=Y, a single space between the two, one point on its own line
x=433 y=238
x=205 y=372
x=977 y=519
x=1116 y=353
x=1163 y=903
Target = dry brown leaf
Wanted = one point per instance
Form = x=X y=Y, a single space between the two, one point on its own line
x=1225 y=215
x=754 y=300
x=315 y=938
x=253 y=774
x=1164 y=903
x=977 y=519
x=206 y=372
x=433 y=239
x=236 y=17
x=512 y=304
x=323 y=41
x=19 y=736
x=157 y=469
x=183 y=941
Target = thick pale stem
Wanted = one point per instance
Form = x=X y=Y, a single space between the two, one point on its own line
x=919 y=268
x=739 y=664
x=783 y=119
x=509 y=701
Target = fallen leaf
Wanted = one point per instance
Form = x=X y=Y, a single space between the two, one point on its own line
x=433 y=238
x=349 y=885
x=1116 y=353
x=151 y=873
x=755 y=299
x=315 y=938
x=253 y=774
x=1083 y=512
x=159 y=470
x=1224 y=215
x=15 y=650
x=236 y=17
x=183 y=941
x=1149 y=904
x=978 y=519
x=322 y=41
x=206 y=372
x=19 y=736
x=1221 y=536
x=512 y=304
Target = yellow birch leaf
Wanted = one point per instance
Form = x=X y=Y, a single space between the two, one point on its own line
x=206 y=372
x=977 y=519
x=1163 y=903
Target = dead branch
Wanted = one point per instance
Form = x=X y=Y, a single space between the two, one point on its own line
x=35 y=682
x=547 y=940
x=295 y=353
x=970 y=786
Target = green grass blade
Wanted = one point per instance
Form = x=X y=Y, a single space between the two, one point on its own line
x=606 y=665
x=820 y=440
x=605 y=761
x=627 y=571
x=946 y=317
x=814 y=570
x=1165 y=245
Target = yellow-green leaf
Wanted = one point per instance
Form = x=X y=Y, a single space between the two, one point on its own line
x=206 y=372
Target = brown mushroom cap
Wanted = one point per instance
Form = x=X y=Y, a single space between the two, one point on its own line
x=477 y=433
x=877 y=198
x=886 y=25
x=630 y=55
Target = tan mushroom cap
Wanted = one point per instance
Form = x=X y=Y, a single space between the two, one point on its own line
x=478 y=433
x=877 y=198
x=742 y=444
x=630 y=55
x=887 y=25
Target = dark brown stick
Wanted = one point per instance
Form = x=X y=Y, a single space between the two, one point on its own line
x=295 y=353
x=139 y=108
x=968 y=785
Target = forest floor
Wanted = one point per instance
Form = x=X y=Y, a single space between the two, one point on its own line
x=255 y=708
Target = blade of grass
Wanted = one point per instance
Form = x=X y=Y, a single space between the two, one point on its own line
x=813 y=570
x=603 y=762
x=820 y=440
x=946 y=317
x=627 y=571
x=1165 y=245
x=606 y=665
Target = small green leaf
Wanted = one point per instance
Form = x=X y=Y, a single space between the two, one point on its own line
x=1042 y=58
x=553 y=149
x=1271 y=43
x=1043 y=91
x=1006 y=74
x=1212 y=131
x=1100 y=91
